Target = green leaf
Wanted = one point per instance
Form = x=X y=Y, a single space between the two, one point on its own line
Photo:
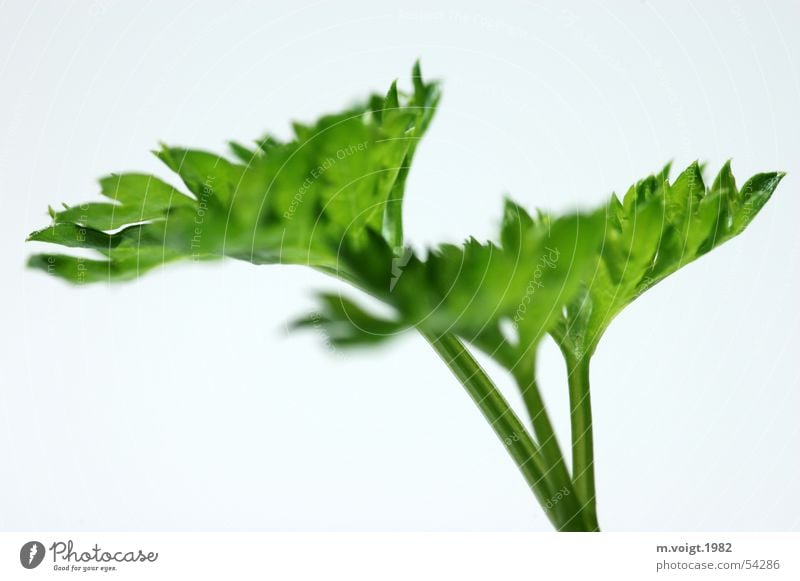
x=282 y=202
x=476 y=289
x=345 y=323
x=658 y=228
x=135 y=197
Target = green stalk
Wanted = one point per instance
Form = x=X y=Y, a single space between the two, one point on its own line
x=565 y=512
x=542 y=427
x=582 y=439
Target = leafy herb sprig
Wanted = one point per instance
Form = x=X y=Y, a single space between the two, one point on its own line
x=332 y=197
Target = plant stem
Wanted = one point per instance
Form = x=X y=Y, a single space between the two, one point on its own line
x=540 y=420
x=582 y=439
x=565 y=514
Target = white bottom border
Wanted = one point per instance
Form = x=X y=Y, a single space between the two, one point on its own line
x=396 y=556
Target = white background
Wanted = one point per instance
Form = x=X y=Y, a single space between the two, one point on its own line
x=178 y=402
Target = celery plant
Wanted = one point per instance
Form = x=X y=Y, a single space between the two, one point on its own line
x=331 y=198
